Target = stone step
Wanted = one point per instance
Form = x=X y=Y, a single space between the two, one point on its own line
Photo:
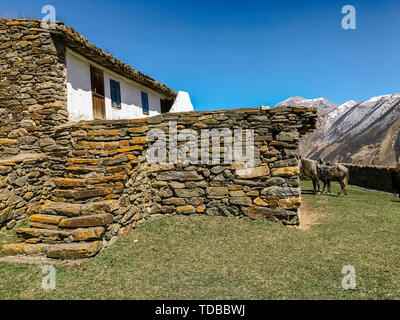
x=43 y=261
x=46 y=219
x=42 y=234
x=38 y=235
x=106 y=191
x=65 y=251
x=51 y=212
x=97 y=220
x=74 y=251
x=43 y=226
x=61 y=208
x=25 y=249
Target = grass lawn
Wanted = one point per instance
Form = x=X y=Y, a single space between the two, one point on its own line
x=199 y=257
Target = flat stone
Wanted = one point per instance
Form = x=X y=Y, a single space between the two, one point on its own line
x=264 y=213
x=24 y=249
x=99 y=207
x=79 y=195
x=189 y=193
x=5 y=170
x=74 y=250
x=6 y=214
x=174 y=201
x=88 y=234
x=17 y=133
x=8 y=142
x=61 y=208
x=251 y=173
x=43 y=261
x=179 y=175
x=27 y=233
x=260 y=202
x=217 y=191
x=201 y=208
x=235 y=187
x=97 y=220
x=46 y=218
x=138 y=140
x=161 y=167
x=43 y=226
x=186 y=210
x=237 y=194
x=288 y=136
x=285 y=171
x=292 y=162
x=281 y=192
x=241 y=201
x=70 y=183
x=290 y=203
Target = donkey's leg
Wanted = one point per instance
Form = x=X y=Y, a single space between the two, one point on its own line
x=323 y=189
x=314 y=185
x=343 y=188
x=318 y=187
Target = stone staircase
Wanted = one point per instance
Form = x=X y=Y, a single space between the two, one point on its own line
x=77 y=220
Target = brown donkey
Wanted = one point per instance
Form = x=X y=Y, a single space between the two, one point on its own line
x=333 y=172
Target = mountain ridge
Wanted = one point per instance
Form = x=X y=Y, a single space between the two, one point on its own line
x=360 y=132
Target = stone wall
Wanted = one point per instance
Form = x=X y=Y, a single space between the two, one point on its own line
x=370 y=177
x=23 y=182
x=32 y=86
x=100 y=184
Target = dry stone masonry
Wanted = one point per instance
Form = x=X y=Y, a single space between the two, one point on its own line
x=97 y=184
x=33 y=81
x=81 y=185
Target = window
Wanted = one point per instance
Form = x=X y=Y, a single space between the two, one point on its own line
x=165 y=105
x=145 y=103
x=115 y=93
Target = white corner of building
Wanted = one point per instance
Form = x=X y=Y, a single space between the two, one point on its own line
x=182 y=103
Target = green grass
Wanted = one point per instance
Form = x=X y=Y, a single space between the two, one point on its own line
x=200 y=257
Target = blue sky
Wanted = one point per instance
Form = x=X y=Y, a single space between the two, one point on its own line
x=235 y=53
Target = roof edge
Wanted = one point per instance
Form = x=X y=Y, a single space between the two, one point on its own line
x=75 y=41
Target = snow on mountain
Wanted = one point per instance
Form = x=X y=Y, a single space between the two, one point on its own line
x=342 y=109
x=320 y=103
x=358 y=132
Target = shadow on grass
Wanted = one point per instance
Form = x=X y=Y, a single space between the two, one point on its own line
x=308 y=192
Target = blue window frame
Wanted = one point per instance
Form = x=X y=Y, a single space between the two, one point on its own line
x=145 y=103
x=115 y=93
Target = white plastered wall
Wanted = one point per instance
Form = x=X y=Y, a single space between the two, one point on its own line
x=80 y=105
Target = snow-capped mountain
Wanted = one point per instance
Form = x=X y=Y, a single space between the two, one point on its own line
x=355 y=132
x=320 y=103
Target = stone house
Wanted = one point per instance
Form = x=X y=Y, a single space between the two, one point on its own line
x=82 y=184
x=109 y=90
x=51 y=76
x=38 y=65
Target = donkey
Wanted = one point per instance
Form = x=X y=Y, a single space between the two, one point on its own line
x=308 y=168
x=333 y=172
